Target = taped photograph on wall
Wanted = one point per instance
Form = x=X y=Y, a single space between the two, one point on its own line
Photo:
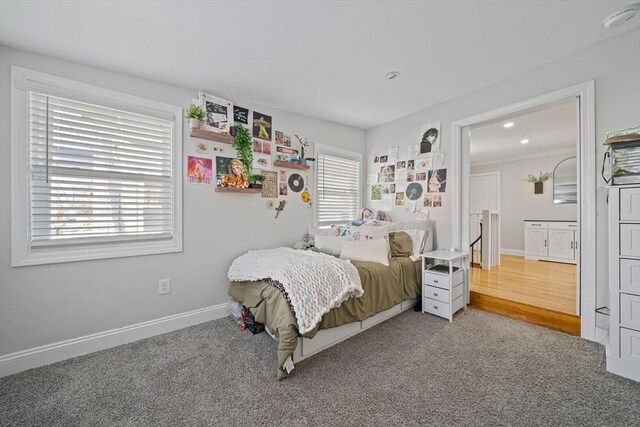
x=388 y=173
x=199 y=170
x=437 y=182
x=399 y=199
x=218 y=113
x=376 y=192
x=429 y=138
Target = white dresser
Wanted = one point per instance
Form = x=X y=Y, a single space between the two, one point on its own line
x=624 y=281
x=551 y=241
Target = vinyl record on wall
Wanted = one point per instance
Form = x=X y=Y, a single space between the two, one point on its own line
x=414 y=191
x=296 y=183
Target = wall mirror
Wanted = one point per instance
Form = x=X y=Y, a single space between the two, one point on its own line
x=565 y=181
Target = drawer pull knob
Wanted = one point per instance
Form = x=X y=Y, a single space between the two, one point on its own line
x=435 y=294
x=435 y=281
x=435 y=307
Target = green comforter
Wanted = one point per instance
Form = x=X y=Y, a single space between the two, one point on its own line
x=383 y=287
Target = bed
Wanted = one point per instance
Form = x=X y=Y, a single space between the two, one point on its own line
x=388 y=290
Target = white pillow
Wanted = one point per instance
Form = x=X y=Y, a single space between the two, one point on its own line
x=331 y=245
x=417 y=240
x=366 y=250
x=368 y=232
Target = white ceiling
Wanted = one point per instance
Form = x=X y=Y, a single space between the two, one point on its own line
x=326 y=59
x=552 y=129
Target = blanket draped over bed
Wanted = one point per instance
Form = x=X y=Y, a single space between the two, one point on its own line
x=383 y=287
x=315 y=282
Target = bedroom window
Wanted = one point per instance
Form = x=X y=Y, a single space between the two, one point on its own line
x=338 y=197
x=94 y=173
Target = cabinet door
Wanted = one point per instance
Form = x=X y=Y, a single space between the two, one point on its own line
x=561 y=244
x=535 y=243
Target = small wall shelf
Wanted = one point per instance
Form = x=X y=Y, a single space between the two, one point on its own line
x=212 y=136
x=291 y=165
x=237 y=190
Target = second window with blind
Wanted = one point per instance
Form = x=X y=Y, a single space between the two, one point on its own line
x=338 y=193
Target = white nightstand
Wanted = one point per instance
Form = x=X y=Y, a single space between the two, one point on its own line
x=445 y=289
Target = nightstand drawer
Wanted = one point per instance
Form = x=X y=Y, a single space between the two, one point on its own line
x=442 y=280
x=630 y=275
x=436 y=293
x=438 y=308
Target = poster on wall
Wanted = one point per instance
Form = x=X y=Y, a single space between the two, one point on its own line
x=401 y=174
x=438 y=159
x=240 y=115
x=430 y=138
x=401 y=164
x=372 y=178
x=399 y=199
x=393 y=154
x=437 y=181
x=261 y=126
x=218 y=113
x=199 y=170
x=270 y=184
x=228 y=171
x=383 y=159
x=410 y=165
x=414 y=150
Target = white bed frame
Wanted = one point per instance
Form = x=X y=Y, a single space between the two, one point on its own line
x=326 y=338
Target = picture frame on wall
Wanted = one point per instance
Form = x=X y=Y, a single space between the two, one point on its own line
x=218 y=113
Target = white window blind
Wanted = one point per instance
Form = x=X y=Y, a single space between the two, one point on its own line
x=97 y=173
x=338 y=191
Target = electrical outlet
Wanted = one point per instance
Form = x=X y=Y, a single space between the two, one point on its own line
x=164 y=286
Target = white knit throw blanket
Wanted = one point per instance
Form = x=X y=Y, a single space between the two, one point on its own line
x=315 y=282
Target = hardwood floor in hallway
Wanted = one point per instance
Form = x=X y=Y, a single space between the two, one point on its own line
x=548 y=285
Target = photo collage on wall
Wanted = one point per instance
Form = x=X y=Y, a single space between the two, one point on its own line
x=417 y=180
x=210 y=161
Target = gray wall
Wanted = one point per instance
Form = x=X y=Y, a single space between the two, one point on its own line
x=45 y=304
x=518 y=200
x=614 y=65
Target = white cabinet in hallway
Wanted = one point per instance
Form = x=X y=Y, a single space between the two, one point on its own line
x=551 y=241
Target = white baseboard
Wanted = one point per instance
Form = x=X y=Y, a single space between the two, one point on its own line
x=514 y=252
x=51 y=353
x=602 y=337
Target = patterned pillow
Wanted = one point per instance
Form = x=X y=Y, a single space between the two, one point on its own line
x=368 y=232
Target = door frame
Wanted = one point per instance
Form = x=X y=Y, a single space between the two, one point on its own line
x=586 y=153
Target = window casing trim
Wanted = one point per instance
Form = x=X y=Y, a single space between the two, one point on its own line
x=22 y=252
x=338 y=152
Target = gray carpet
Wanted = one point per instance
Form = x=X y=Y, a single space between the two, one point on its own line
x=414 y=369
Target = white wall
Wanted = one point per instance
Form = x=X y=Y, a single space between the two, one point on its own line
x=518 y=201
x=46 y=304
x=614 y=65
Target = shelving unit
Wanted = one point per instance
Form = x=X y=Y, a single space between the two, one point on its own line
x=291 y=165
x=237 y=190
x=211 y=136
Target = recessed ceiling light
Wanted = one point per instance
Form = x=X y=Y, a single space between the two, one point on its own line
x=392 y=75
x=621 y=16
x=508 y=125
x=524 y=141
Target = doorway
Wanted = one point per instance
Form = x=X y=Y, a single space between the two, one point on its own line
x=583 y=96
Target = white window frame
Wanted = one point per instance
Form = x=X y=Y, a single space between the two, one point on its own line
x=22 y=252
x=337 y=152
